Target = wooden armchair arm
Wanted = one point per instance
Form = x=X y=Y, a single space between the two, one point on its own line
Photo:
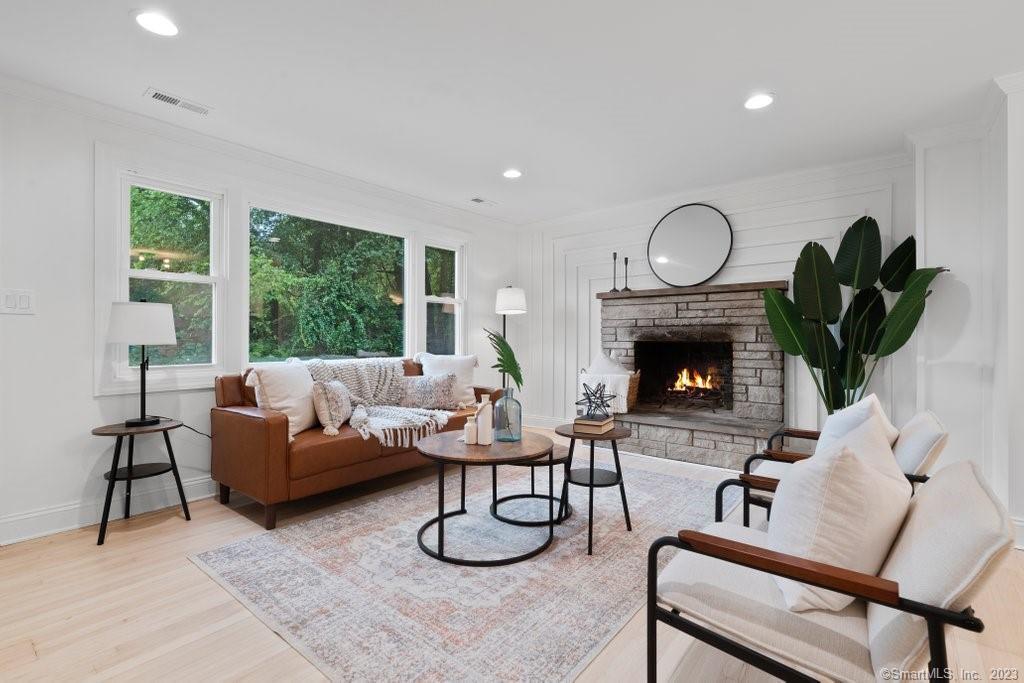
x=857 y=584
x=785 y=456
x=760 y=483
x=795 y=433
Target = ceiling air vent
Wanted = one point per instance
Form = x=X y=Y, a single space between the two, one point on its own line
x=175 y=101
x=482 y=202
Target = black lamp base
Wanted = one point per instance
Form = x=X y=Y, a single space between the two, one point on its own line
x=147 y=421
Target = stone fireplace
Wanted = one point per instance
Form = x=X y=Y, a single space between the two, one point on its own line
x=711 y=374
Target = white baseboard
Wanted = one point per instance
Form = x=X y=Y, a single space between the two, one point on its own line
x=22 y=526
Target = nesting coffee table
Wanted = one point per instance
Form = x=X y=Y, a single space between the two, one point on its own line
x=446 y=449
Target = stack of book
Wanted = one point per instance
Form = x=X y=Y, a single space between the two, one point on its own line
x=593 y=424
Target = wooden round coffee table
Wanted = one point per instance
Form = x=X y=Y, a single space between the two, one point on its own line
x=592 y=477
x=447 y=449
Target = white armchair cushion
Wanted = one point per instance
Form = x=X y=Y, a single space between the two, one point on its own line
x=843 y=507
x=843 y=421
x=747 y=606
x=955 y=535
x=920 y=443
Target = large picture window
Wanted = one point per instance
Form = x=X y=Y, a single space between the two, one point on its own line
x=318 y=289
x=169 y=261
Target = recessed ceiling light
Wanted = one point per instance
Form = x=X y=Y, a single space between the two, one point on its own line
x=759 y=100
x=157 y=23
x=512 y=173
x=661 y=259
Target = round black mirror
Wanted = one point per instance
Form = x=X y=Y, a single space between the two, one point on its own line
x=689 y=245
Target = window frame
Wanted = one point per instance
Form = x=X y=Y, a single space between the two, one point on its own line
x=116 y=376
x=458 y=301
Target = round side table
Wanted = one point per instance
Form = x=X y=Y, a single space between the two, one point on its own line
x=132 y=471
x=593 y=477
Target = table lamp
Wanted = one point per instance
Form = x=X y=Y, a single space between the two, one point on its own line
x=510 y=301
x=141 y=324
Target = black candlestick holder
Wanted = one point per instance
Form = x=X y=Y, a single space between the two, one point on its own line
x=615 y=257
x=625 y=265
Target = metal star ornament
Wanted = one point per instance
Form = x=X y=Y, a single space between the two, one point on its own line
x=596 y=402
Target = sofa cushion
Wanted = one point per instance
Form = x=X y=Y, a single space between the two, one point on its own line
x=312 y=452
x=288 y=388
x=955 y=535
x=460 y=366
x=842 y=421
x=746 y=605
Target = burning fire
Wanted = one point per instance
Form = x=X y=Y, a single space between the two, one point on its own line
x=694 y=380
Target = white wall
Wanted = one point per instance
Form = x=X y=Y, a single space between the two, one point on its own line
x=563 y=264
x=50 y=466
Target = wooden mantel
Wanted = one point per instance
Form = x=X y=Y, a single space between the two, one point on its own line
x=697 y=289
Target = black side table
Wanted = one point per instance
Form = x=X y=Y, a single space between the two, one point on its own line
x=132 y=471
x=594 y=477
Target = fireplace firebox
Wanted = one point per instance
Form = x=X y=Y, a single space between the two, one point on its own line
x=684 y=375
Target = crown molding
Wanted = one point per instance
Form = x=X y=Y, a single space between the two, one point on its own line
x=453 y=216
x=1011 y=83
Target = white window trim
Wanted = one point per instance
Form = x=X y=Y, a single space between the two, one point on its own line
x=459 y=300
x=113 y=375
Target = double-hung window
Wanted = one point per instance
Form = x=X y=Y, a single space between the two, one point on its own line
x=172 y=256
x=444 y=301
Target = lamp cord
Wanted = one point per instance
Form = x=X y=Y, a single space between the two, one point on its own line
x=186 y=426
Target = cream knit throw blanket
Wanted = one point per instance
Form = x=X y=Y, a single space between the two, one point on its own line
x=375 y=385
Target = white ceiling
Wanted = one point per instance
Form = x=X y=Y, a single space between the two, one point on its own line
x=600 y=102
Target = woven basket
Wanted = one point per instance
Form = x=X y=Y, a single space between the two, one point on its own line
x=634 y=388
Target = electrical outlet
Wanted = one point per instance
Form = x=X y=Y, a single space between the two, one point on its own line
x=17 y=301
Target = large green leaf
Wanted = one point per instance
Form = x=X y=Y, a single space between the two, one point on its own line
x=822 y=349
x=816 y=289
x=900 y=264
x=851 y=367
x=899 y=325
x=506 y=358
x=860 y=254
x=784 y=319
x=866 y=313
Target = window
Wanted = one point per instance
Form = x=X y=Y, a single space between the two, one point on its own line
x=322 y=290
x=169 y=261
x=444 y=307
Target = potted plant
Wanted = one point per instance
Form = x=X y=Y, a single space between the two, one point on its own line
x=806 y=325
x=508 y=412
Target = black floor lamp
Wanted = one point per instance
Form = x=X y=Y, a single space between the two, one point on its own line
x=140 y=323
x=510 y=301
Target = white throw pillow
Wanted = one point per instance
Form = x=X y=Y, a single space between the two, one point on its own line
x=603 y=364
x=287 y=387
x=460 y=366
x=333 y=404
x=842 y=421
x=840 y=509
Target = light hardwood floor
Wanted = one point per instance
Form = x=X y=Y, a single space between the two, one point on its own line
x=137 y=608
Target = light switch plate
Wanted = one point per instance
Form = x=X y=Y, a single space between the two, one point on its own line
x=17 y=302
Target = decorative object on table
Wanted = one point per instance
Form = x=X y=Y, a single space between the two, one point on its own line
x=509 y=301
x=132 y=471
x=141 y=323
x=615 y=257
x=585 y=425
x=623 y=383
x=592 y=477
x=485 y=422
x=689 y=245
x=625 y=275
x=595 y=402
x=469 y=431
x=508 y=411
x=867 y=331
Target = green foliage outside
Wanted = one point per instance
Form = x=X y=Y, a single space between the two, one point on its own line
x=440 y=281
x=318 y=289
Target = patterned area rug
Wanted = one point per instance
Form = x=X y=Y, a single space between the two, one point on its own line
x=356 y=596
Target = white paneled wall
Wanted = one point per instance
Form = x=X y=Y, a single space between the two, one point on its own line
x=564 y=264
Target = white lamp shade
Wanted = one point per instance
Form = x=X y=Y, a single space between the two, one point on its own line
x=141 y=323
x=510 y=301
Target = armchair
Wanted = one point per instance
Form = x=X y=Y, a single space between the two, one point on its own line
x=918 y=446
x=720 y=590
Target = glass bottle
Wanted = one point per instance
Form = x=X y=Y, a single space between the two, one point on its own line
x=508 y=417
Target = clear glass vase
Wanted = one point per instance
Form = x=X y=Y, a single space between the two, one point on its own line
x=508 y=418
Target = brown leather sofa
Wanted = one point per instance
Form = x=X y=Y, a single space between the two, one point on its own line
x=251 y=452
